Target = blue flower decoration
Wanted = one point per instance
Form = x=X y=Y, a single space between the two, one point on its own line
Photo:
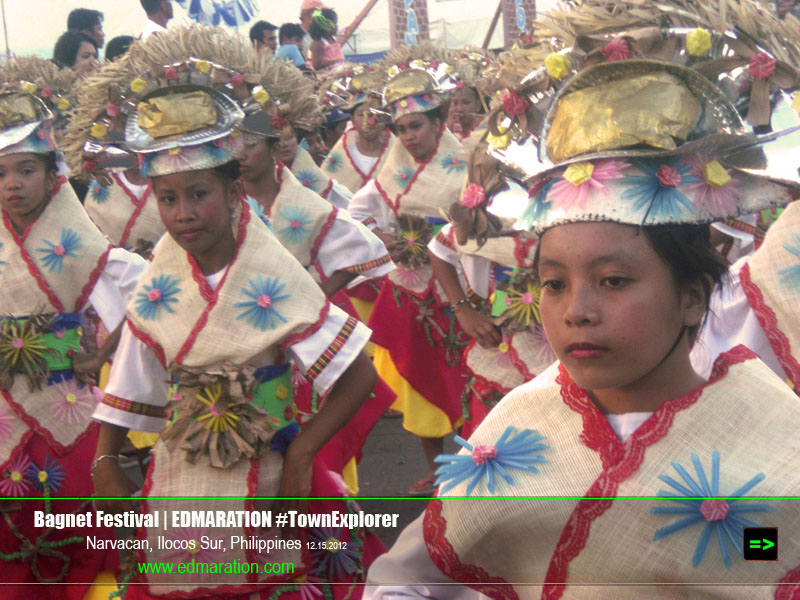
x=98 y=192
x=333 y=162
x=335 y=562
x=54 y=253
x=261 y=309
x=403 y=177
x=298 y=228
x=308 y=179
x=51 y=473
x=517 y=452
x=538 y=206
x=259 y=211
x=790 y=276
x=304 y=145
x=283 y=437
x=662 y=202
x=452 y=163
x=700 y=502
x=159 y=294
x=2 y=262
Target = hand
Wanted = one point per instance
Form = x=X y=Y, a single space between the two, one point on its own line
x=295 y=483
x=386 y=237
x=110 y=481
x=86 y=367
x=477 y=325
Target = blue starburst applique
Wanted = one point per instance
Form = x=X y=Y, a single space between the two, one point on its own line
x=333 y=162
x=98 y=192
x=790 y=276
x=54 y=253
x=538 y=206
x=265 y=293
x=335 y=559
x=298 y=228
x=656 y=191
x=403 y=177
x=699 y=502
x=51 y=475
x=304 y=145
x=159 y=294
x=2 y=262
x=452 y=163
x=520 y=451
x=308 y=179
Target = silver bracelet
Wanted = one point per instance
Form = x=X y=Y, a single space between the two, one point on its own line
x=99 y=458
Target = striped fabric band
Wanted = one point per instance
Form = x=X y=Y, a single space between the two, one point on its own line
x=369 y=221
x=372 y=264
x=332 y=350
x=474 y=297
x=136 y=408
x=445 y=241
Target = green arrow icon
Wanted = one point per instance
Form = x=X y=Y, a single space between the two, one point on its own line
x=767 y=544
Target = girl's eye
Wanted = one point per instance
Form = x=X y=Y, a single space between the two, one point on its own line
x=614 y=282
x=166 y=199
x=553 y=285
x=199 y=194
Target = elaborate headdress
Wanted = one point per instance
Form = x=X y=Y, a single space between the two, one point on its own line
x=631 y=112
x=349 y=85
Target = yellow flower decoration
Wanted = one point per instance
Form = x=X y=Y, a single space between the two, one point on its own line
x=219 y=419
x=29 y=87
x=281 y=393
x=414 y=241
x=503 y=347
x=15 y=476
x=524 y=304
x=193 y=547
x=557 y=65
x=498 y=142
x=138 y=85
x=449 y=69
x=261 y=96
x=42 y=476
x=578 y=173
x=99 y=131
x=698 y=42
x=404 y=103
x=203 y=66
x=63 y=104
x=174 y=151
x=796 y=102
x=71 y=398
x=715 y=174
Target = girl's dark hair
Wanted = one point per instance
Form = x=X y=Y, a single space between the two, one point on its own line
x=230 y=171
x=118 y=47
x=49 y=161
x=317 y=31
x=65 y=52
x=434 y=113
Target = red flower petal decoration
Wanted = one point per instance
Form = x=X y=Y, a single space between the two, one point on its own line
x=112 y=110
x=762 y=65
x=617 y=49
x=171 y=73
x=279 y=122
x=90 y=166
x=514 y=104
x=46 y=92
x=237 y=80
x=474 y=196
x=668 y=176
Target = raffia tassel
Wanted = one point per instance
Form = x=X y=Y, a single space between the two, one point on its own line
x=463 y=221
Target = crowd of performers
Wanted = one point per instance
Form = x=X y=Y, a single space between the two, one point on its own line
x=581 y=255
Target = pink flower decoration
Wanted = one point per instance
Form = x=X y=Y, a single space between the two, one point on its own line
x=264 y=301
x=434 y=64
x=403 y=65
x=544 y=352
x=617 y=49
x=715 y=200
x=714 y=509
x=459 y=85
x=59 y=250
x=514 y=104
x=564 y=195
x=408 y=277
x=237 y=80
x=474 y=196
x=218 y=143
x=13 y=483
x=90 y=166
x=112 y=110
x=46 y=92
x=154 y=295
x=7 y=417
x=457 y=128
x=527 y=298
x=668 y=176
x=311 y=592
x=762 y=65
x=278 y=122
x=18 y=344
x=59 y=333
x=482 y=453
x=171 y=73
x=72 y=404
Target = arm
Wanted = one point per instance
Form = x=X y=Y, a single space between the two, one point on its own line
x=317 y=60
x=110 y=481
x=87 y=366
x=336 y=282
x=474 y=324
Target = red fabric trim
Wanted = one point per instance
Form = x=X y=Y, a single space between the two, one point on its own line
x=296 y=338
x=212 y=300
x=789 y=592
x=35 y=426
x=149 y=342
x=326 y=227
x=769 y=323
x=16 y=449
x=93 y=277
x=139 y=204
x=521 y=249
x=422 y=164
x=327 y=191
x=365 y=177
x=620 y=461
x=444 y=556
x=32 y=268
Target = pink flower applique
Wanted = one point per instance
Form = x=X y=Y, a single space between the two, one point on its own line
x=514 y=104
x=7 y=418
x=617 y=49
x=473 y=196
x=408 y=277
x=14 y=484
x=578 y=180
x=717 y=190
x=72 y=404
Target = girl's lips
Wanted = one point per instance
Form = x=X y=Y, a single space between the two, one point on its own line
x=586 y=351
x=15 y=200
x=190 y=234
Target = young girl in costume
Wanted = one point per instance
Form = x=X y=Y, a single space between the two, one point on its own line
x=55 y=265
x=466 y=111
x=419 y=340
x=626 y=270
x=221 y=307
x=325 y=50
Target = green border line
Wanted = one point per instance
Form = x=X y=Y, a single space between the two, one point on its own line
x=357 y=498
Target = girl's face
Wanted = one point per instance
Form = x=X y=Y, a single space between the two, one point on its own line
x=86 y=59
x=25 y=187
x=365 y=123
x=256 y=160
x=197 y=210
x=464 y=105
x=611 y=308
x=287 y=145
x=418 y=134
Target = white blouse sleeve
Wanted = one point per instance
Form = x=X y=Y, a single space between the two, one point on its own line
x=363 y=206
x=330 y=350
x=136 y=393
x=339 y=195
x=116 y=285
x=406 y=562
x=439 y=250
x=352 y=247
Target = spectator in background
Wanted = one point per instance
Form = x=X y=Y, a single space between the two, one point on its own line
x=76 y=50
x=89 y=22
x=264 y=35
x=306 y=10
x=335 y=125
x=159 y=12
x=118 y=46
x=326 y=51
x=291 y=38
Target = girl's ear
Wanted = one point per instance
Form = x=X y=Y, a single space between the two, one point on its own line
x=696 y=299
x=235 y=193
x=50 y=180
